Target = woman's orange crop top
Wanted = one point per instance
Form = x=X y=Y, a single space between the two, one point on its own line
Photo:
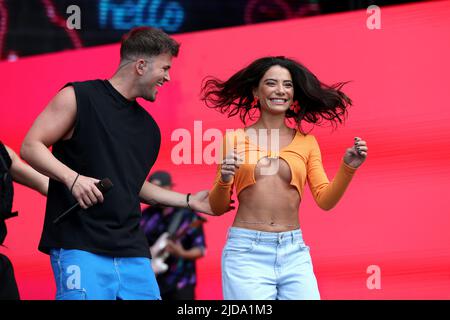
x=305 y=162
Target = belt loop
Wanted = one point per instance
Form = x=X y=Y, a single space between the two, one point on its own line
x=258 y=236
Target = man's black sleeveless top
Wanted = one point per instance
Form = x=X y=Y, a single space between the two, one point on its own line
x=6 y=192
x=113 y=138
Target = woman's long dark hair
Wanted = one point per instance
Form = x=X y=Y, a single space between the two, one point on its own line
x=318 y=102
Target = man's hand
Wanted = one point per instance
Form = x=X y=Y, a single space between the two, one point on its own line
x=86 y=192
x=200 y=202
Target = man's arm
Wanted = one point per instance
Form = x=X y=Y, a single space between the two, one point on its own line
x=153 y=194
x=56 y=123
x=26 y=175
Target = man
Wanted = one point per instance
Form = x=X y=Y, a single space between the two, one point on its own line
x=177 y=276
x=98 y=130
x=13 y=169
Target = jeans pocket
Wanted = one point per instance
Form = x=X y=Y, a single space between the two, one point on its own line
x=302 y=246
x=72 y=295
x=239 y=245
x=55 y=253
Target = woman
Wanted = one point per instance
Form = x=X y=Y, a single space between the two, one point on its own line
x=265 y=256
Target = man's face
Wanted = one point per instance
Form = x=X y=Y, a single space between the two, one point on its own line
x=155 y=73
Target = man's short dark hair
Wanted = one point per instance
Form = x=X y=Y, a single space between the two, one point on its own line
x=147 y=41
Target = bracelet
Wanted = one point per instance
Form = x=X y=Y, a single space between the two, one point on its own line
x=73 y=184
x=187 y=200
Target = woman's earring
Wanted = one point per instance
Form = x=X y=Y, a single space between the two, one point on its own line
x=254 y=102
x=295 y=107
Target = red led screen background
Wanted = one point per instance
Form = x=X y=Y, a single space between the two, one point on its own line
x=395 y=214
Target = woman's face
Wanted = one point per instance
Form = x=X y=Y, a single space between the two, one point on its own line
x=275 y=90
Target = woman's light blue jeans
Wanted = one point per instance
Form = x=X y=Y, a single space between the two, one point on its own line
x=258 y=265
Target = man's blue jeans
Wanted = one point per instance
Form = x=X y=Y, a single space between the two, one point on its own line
x=81 y=275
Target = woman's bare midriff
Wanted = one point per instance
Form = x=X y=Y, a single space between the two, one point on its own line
x=271 y=204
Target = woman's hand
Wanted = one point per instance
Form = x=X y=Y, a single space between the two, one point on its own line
x=356 y=155
x=229 y=166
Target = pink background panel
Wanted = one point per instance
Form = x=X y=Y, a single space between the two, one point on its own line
x=394 y=215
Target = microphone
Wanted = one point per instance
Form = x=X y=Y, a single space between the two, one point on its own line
x=103 y=185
